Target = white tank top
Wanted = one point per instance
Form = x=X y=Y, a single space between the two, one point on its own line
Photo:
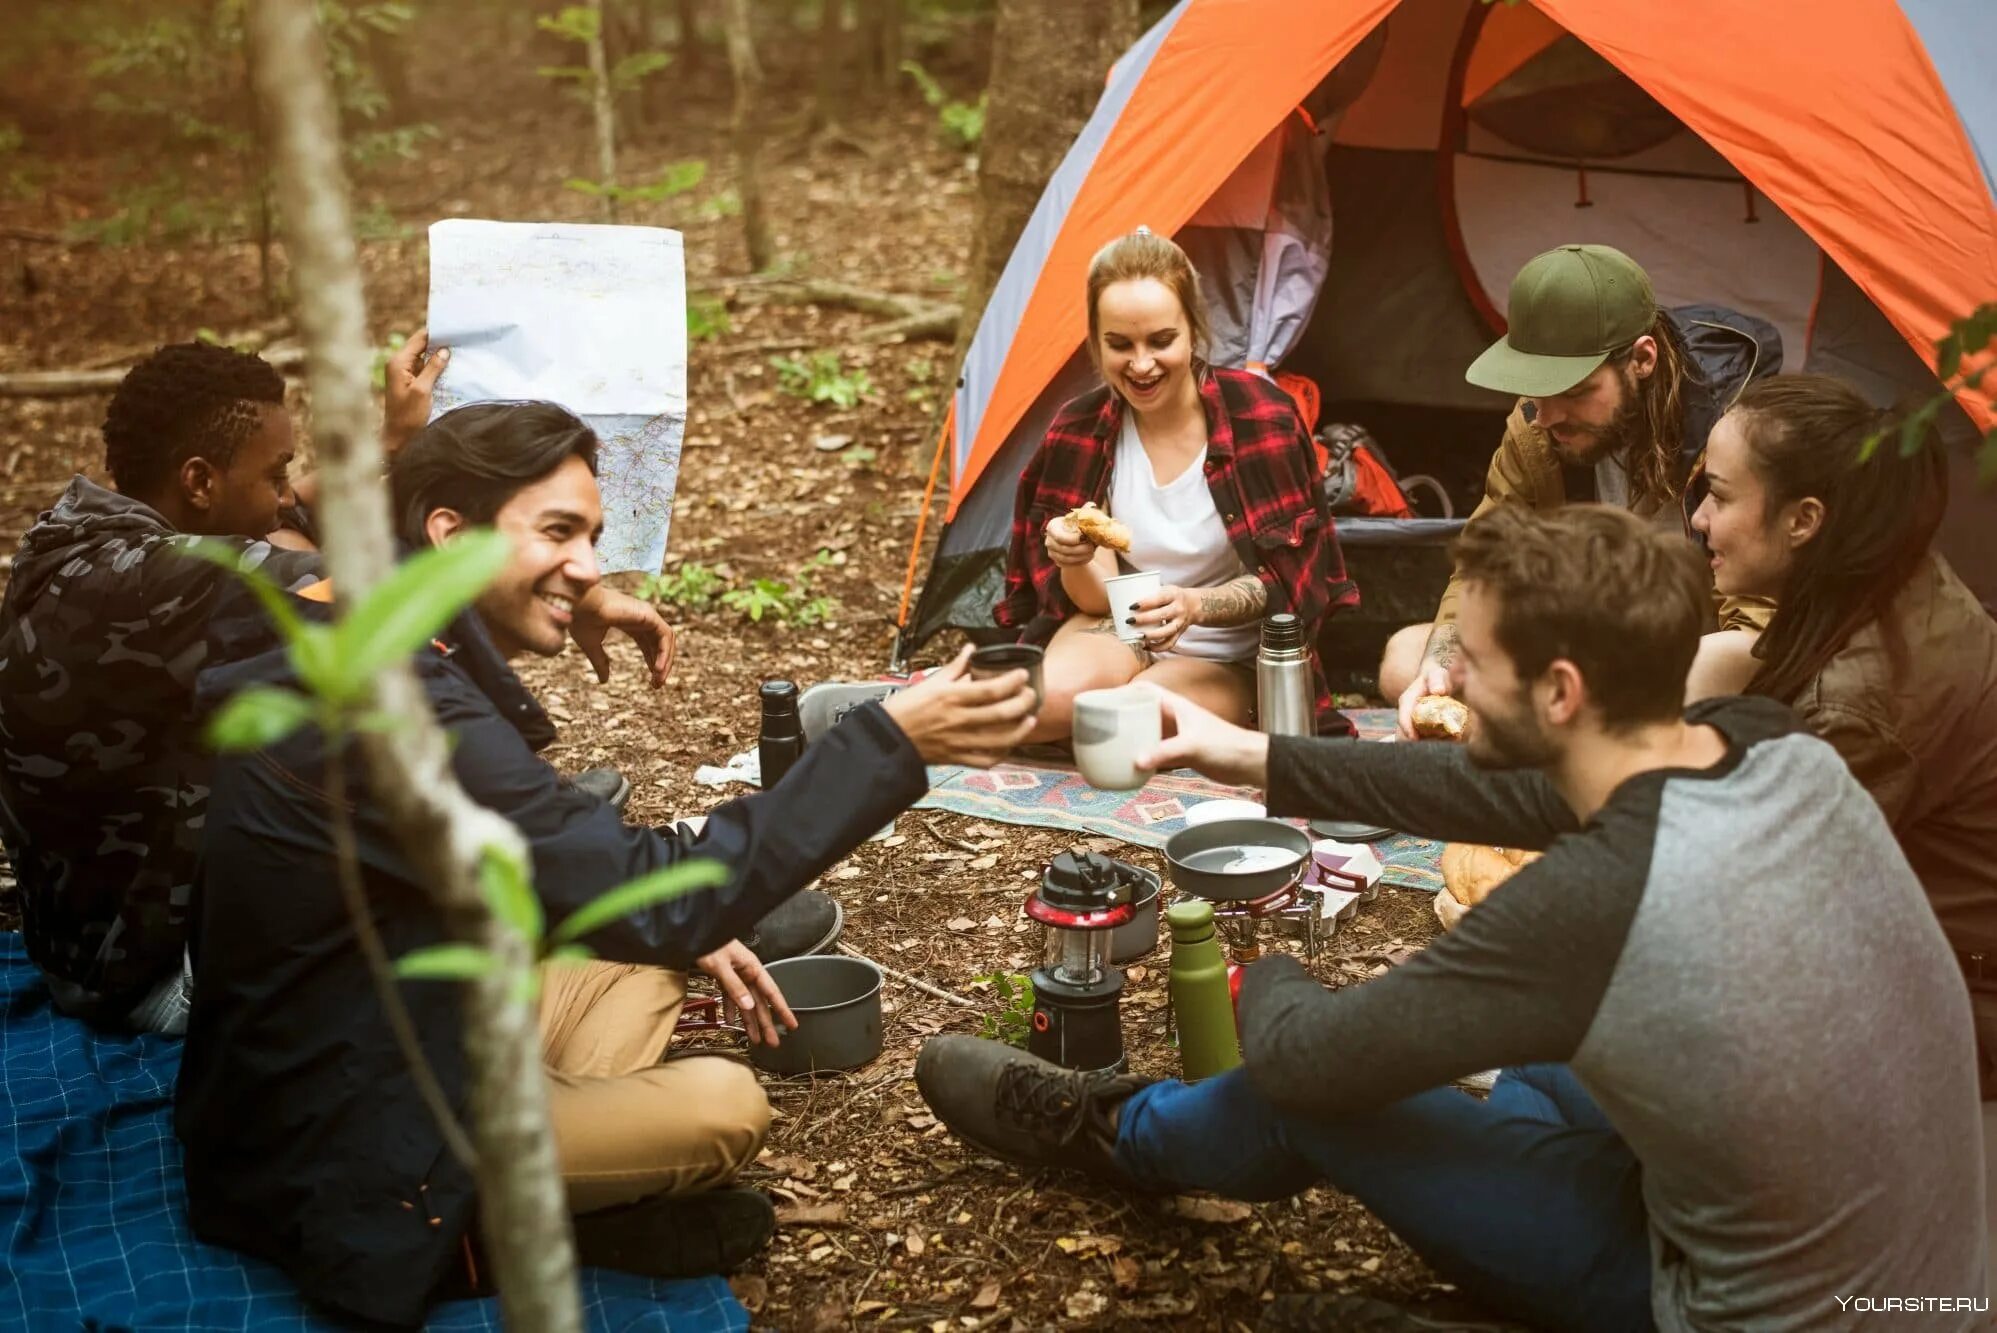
x=1175 y=530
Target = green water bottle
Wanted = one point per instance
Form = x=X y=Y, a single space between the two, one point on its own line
x=1201 y=1004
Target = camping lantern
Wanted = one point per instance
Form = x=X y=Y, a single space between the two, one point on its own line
x=1082 y=899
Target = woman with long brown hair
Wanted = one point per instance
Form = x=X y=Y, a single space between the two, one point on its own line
x=1875 y=641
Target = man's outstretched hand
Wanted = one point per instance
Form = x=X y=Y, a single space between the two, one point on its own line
x=953 y=719
x=604 y=609
x=1199 y=740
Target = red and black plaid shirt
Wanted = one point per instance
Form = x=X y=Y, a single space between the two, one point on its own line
x=1261 y=469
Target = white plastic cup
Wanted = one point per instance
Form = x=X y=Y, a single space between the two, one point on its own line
x=1125 y=592
x=1113 y=730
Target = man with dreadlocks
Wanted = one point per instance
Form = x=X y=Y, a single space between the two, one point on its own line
x=1616 y=397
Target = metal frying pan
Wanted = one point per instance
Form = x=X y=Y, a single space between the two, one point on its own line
x=1237 y=860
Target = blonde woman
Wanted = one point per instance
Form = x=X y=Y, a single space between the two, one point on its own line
x=1211 y=473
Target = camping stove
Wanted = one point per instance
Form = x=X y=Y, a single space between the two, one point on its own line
x=1295 y=908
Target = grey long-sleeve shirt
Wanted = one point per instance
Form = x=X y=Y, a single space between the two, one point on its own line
x=1737 y=963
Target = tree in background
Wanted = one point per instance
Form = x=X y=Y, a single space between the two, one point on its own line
x=745 y=134
x=1049 y=61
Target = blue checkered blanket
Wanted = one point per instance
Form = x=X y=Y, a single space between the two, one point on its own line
x=93 y=1214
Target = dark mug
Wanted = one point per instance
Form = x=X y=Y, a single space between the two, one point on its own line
x=995 y=659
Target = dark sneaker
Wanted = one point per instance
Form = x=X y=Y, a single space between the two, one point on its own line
x=1308 y=1312
x=606 y=784
x=804 y=923
x=1022 y=1108
x=678 y=1235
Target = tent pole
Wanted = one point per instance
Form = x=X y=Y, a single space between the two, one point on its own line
x=895 y=662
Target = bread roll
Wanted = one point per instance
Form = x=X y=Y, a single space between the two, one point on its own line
x=1439 y=717
x=1470 y=870
x=1100 y=528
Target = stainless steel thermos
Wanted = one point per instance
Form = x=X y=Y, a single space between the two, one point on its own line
x=1284 y=703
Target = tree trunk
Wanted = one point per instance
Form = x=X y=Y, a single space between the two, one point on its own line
x=606 y=115
x=871 y=17
x=1049 y=60
x=690 y=57
x=521 y=1197
x=891 y=46
x=746 y=134
x=825 y=109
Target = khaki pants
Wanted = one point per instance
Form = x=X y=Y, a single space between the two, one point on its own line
x=626 y=1126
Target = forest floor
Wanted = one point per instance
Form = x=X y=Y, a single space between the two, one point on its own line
x=889 y=1222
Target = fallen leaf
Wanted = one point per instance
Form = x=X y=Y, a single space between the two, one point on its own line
x=1125 y=1271
x=913 y=1243
x=819 y=1252
x=1086 y=1303
x=750 y=1289
x=985 y=862
x=797 y=1167
x=846 y=872
x=1211 y=1210
x=921 y=1121
x=960 y=923
x=812 y=1214
x=869 y=1307
x=987 y=1297
x=1371 y=1265
x=830 y=444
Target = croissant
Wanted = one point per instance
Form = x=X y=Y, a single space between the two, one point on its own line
x=1100 y=528
x=1439 y=717
x=1470 y=870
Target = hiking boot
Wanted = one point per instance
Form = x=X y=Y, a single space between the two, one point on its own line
x=1310 y=1311
x=678 y=1235
x=820 y=708
x=804 y=923
x=1023 y=1108
x=606 y=784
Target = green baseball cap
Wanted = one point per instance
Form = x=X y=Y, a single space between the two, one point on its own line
x=1568 y=310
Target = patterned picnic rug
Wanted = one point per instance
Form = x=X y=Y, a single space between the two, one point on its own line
x=93 y=1211
x=1050 y=794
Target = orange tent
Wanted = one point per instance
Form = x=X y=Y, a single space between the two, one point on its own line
x=1826 y=168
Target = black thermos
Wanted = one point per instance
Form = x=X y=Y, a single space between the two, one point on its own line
x=782 y=738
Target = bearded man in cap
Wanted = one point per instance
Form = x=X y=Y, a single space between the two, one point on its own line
x=1615 y=398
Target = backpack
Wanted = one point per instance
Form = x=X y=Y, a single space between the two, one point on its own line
x=1357 y=480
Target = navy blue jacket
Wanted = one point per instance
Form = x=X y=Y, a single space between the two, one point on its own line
x=305 y=1139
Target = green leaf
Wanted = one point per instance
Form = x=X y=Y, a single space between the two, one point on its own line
x=658 y=887
x=588 y=187
x=446 y=962
x=1915 y=429
x=508 y=889
x=569 y=955
x=412 y=604
x=259 y=716
x=579 y=73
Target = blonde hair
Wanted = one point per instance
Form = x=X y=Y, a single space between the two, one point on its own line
x=1144 y=255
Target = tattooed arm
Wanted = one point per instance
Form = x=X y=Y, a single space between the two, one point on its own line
x=1236 y=602
x=1442 y=650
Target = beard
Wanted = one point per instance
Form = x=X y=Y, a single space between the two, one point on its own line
x=1586 y=446
x=1508 y=739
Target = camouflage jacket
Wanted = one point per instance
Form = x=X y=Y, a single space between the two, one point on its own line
x=103 y=779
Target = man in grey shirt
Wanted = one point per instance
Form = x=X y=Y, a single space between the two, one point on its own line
x=1740 y=1081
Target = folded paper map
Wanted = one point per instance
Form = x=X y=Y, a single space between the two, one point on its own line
x=591 y=317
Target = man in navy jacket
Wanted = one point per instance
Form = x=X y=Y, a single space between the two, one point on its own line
x=306 y=1141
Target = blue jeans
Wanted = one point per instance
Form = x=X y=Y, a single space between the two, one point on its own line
x=1529 y=1202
